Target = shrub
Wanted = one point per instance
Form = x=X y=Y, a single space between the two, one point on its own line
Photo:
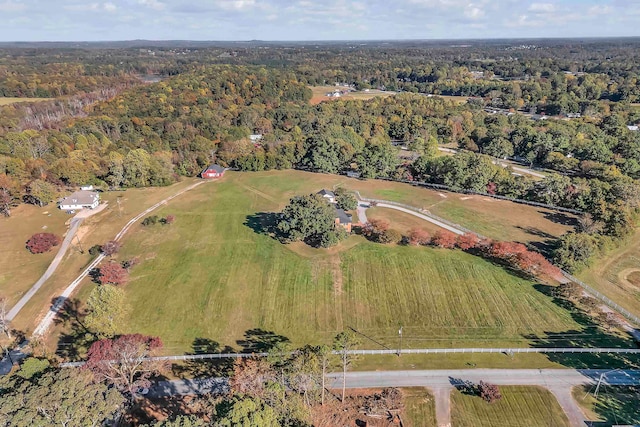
x=389 y=236
x=42 y=242
x=95 y=250
x=130 y=263
x=150 y=220
x=112 y=273
x=418 y=236
x=467 y=241
x=489 y=392
x=444 y=239
x=110 y=248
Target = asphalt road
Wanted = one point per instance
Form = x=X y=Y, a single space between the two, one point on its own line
x=421 y=216
x=441 y=382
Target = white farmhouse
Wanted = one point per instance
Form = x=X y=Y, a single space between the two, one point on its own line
x=80 y=200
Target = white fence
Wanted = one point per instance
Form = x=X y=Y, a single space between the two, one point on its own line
x=508 y=351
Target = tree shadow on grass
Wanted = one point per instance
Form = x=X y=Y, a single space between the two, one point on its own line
x=617 y=405
x=261 y=341
x=560 y=218
x=197 y=368
x=76 y=338
x=590 y=335
x=263 y=223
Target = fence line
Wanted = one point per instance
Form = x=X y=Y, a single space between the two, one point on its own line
x=508 y=351
x=603 y=298
x=481 y=193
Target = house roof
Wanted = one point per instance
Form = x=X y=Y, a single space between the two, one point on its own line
x=324 y=192
x=81 y=197
x=344 y=217
x=214 y=168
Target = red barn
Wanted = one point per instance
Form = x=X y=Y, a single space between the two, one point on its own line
x=213 y=171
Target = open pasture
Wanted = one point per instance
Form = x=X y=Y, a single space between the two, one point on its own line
x=320 y=94
x=215 y=274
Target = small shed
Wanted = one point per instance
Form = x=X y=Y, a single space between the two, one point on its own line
x=213 y=171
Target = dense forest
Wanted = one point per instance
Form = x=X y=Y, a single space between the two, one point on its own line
x=108 y=128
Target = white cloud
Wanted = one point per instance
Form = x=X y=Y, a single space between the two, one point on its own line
x=473 y=12
x=599 y=10
x=109 y=7
x=542 y=8
x=11 y=6
x=236 y=4
x=153 y=4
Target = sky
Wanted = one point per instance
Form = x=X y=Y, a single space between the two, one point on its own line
x=101 y=20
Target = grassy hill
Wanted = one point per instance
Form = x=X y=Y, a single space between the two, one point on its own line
x=211 y=275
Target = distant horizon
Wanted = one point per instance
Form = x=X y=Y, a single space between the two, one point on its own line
x=471 y=39
x=306 y=20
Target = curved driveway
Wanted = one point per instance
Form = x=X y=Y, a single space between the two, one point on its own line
x=71 y=233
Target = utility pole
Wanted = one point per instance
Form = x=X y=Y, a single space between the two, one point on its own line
x=400 y=347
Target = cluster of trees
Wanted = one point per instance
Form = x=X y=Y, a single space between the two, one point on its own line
x=155 y=219
x=514 y=255
x=278 y=390
x=310 y=219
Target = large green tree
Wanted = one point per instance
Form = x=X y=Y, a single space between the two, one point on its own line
x=67 y=397
x=107 y=308
x=311 y=219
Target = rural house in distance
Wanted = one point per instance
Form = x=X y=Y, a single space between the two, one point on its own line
x=213 y=171
x=82 y=199
x=342 y=218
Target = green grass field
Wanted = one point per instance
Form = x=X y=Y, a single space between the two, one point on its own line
x=519 y=407
x=617 y=275
x=210 y=275
x=613 y=406
x=8 y=101
x=420 y=410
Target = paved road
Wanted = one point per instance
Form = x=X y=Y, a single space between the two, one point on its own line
x=362 y=212
x=425 y=217
x=71 y=233
x=441 y=382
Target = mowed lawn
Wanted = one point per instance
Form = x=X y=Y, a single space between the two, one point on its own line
x=519 y=407
x=617 y=275
x=210 y=275
x=19 y=269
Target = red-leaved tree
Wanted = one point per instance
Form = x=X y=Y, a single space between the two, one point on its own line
x=489 y=392
x=124 y=361
x=418 y=236
x=467 y=241
x=110 y=248
x=535 y=264
x=506 y=250
x=444 y=239
x=42 y=242
x=113 y=273
x=374 y=228
x=169 y=219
